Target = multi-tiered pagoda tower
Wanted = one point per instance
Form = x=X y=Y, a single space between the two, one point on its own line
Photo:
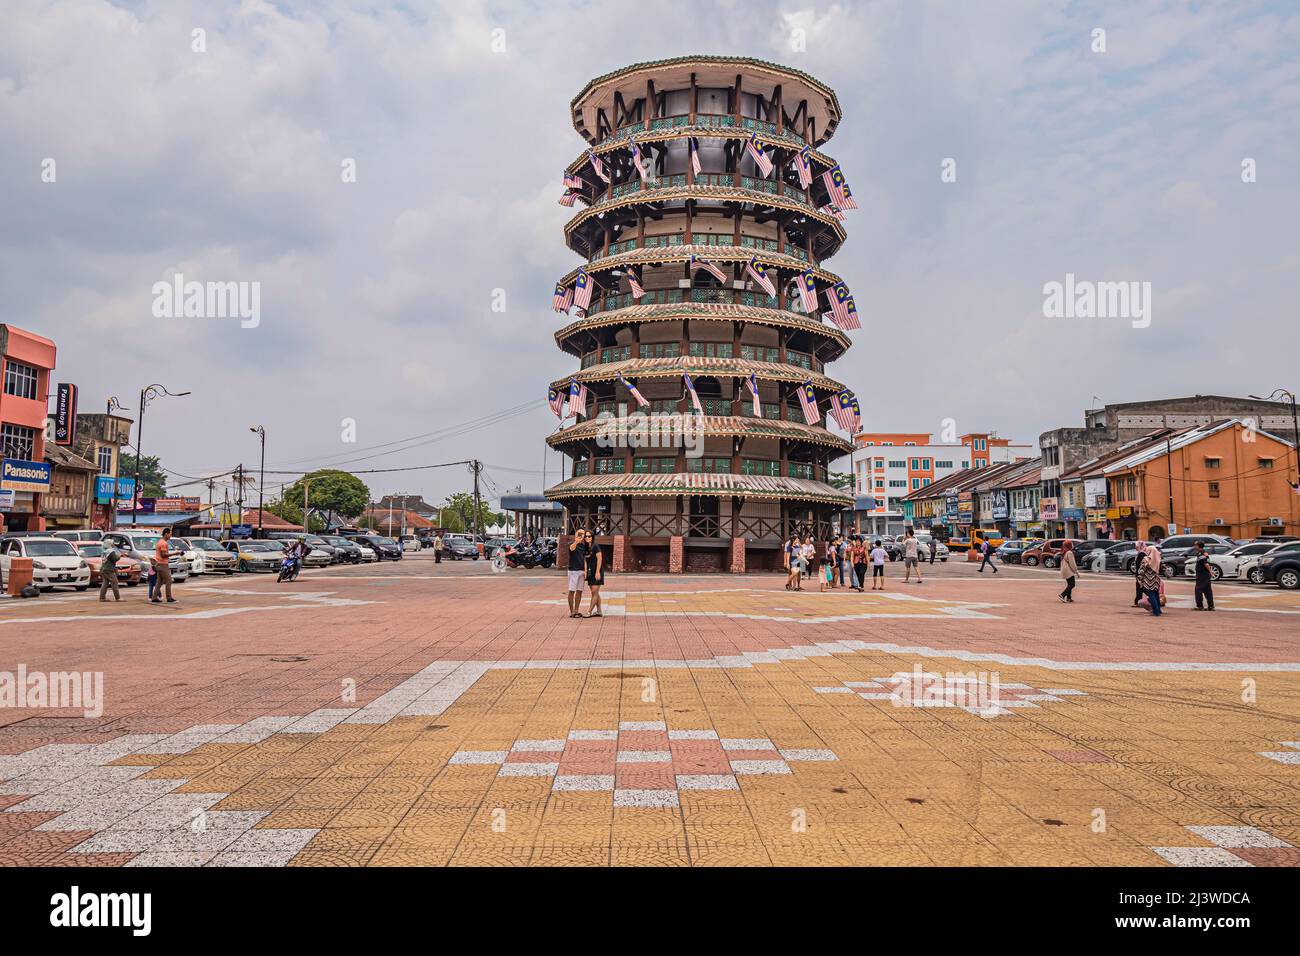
x=730 y=502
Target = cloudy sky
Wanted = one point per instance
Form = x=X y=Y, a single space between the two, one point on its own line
x=376 y=295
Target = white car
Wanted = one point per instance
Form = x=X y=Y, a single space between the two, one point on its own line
x=55 y=562
x=409 y=542
x=367 y=552
x=940 y=551
x=141 y=544
x=1230 y=564
x=206 y=556
x=1250 y=569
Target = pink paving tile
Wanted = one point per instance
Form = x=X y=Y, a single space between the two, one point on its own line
x=1269 y=856
x=643 y=740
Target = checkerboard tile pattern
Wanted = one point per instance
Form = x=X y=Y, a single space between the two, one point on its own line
x=958 y=691
x=1232 y=846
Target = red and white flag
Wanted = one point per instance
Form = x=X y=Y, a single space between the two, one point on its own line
x=755 y=150
x=638 y=160
x=573 y=182
x=841 y=195
x=597 y=166
x=695 y=156
x=752 y=382
x=582 y=291
x=577 y=398
x=803 y=166
x=830 y=209
x=706 y=264
x=562 y=300
x=808 y=291
x=568 y=199
x=759 y=272
x=641 y=400
x=844 y=312
x=844 y=406
x=635 y=283
x=808 y=399
x=555 y=398
x=695 y=398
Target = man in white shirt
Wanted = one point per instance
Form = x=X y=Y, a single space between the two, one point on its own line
x=878 y=558
x=911 y=554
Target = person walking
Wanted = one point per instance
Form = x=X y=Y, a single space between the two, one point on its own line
x=987 y=551
x=1149 y=579
x=437 y=548
x=1069 y=571
x=1204 y=589
x=108 y=574
x=595 y=579
x=790 y=555
x=934 y=547
x=911 y=553
x=162 y=554
x=878 y=558
x=578 y=551
x=859 y=558
x=1137 y=571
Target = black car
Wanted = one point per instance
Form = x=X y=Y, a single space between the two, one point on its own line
x=386 y=549
x=458 y=548
x=345 y=549
x=1281 y=566
x=1121 y=556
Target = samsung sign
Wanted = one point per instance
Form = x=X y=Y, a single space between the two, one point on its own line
x=19 y=475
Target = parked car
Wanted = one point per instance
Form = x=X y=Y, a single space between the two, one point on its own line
x=315 y=557
x=1281 y=566
x=346 y=550
x=206 y=556
x=457 y=547
x=1011 y=552
x=1047 y=553
x=140 y=545
x=1119 y=556
x=84 y=534
x=1084 y=549
x=128 y=569
x=410 y=542
x=367 y=552
x=386 y=549
x=941 y=551
x=1228 y=564
x=1177 y=547
x=255 y=555
x=1181 y=561
x=55 y=562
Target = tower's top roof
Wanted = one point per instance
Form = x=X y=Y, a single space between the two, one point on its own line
x=759 y=76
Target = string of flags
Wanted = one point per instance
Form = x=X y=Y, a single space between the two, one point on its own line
x=759 y=272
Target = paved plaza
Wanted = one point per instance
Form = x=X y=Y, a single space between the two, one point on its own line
x=422 y=714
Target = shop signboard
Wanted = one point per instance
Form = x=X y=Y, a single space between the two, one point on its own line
x=1047 y=507
x=1001 y=510
x=16 y=474
x=1094 y=492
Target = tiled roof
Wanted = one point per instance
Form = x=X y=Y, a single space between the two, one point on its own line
x=63 y=457
x=675 y=366
x=726 y=312
x=689 y=483
x=729 y=254
x=724 y=425
x=721 y=193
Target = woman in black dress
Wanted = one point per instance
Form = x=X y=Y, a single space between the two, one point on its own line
x=595 y=578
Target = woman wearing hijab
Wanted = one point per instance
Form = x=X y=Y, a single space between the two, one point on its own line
x=1137 y=568
x=1069 y=571
x=1149 y=578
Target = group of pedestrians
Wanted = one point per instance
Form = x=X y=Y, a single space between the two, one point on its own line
x=159 y=578
x=843 y=562
x=1148 y=581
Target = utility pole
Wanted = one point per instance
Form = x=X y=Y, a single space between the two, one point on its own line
x=1169 y=452
x=478 y=466
x=306 y=484
x=239 y=495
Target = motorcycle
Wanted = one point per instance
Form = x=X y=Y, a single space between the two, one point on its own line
x=289 y=569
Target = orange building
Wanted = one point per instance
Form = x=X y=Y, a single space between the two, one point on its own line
x=26 y=361
x=1221 y=478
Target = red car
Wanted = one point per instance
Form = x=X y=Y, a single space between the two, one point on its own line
x=1048 y=553
x=128 y=569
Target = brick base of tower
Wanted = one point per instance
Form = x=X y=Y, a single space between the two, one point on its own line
x=621 y=554
x=676 y=555
x=737 y=555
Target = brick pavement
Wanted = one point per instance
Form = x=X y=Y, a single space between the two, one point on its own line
x=414 y=714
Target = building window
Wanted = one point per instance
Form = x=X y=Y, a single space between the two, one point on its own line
x=896 y=464
x=712 y=465
x=105 y=460
x=609 y=466
x=925 y=482
x=756 y=466
x=799 y=470
x=943 y=464
x=916 y=483
x=900 y=483
x=1266 y=463
x=1214 y=489
x=1213 y=462
x=18 y=440
x=20 y=380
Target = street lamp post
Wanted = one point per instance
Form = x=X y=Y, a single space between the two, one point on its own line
x=147 y=395
x=111 y=406
x=1295 y=422
x=260 y=431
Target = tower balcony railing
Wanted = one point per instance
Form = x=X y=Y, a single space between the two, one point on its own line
x=702 y=239
x=721 y=350
x=702 y=295
x=773 y=187
x=706 y=120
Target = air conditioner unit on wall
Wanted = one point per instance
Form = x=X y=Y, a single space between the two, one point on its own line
x=1219 y=521
x=1275 y=522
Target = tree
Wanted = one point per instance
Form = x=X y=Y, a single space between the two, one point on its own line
x=841 y=480
x=460 y=508
x=153 y=480
x=336 y=493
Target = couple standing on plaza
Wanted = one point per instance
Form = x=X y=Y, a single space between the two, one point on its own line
x=586 y=566
x=160 y=572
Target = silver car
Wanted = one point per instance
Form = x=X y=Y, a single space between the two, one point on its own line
x=140 y=545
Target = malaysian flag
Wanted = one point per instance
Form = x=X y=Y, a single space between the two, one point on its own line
x=844 y=312
x=755 y=149
x=577 y=398
x=695 y=156
x=841 y=195
x=597 y=166
x=803 y=166
x=573 y=182
x=641 y=400
x=808 y=291
x=568 y=199
x=830 y=209
x=562 y=299
x=638 y=160
x=844 y=406
x=753 y=391
x=635 y=283
x=759 y=272
x=695 y=398
x=808 y=399
x=582 y=291
x=706 y=264
x=555 y=398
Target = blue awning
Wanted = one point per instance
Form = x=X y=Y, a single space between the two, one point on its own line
x=154 y=520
